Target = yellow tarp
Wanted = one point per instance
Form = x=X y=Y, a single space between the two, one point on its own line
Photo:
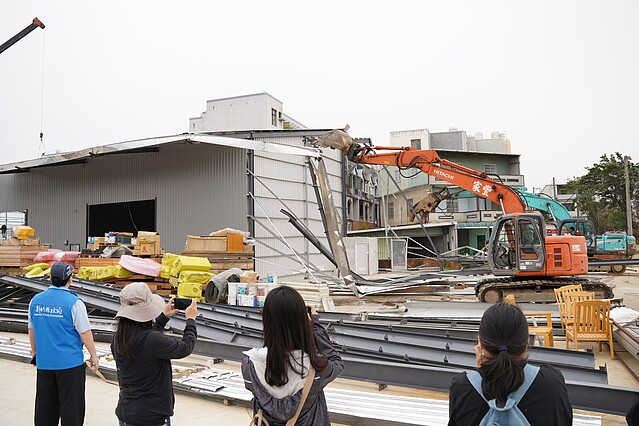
x=105 y=272
x=120 y=272
x=189 y=290
x=23 y=232
x=189 y=263
x=38 y=272
x=195 y=277
x=42 y=266
x=165 y=271
x=85 y=271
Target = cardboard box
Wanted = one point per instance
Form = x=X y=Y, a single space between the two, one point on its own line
x=205 y=244
x=248 y=277
x=234 y=242
x=149 y=237
x=147 y=248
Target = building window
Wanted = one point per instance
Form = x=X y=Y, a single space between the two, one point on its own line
x=409 y=206
x=391 y=211
x=416 y=143
x=273 y=116
x=490 y=168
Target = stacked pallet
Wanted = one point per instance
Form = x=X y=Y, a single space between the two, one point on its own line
x=223 y=261
x=19 y=255
x=159 y=286
x=225 y=249
x=314 y=294
x=102 y=261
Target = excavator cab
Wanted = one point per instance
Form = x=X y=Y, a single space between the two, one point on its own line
x=517 y=245
x=580 y=227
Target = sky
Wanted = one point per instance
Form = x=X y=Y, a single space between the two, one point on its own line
x=561 y=78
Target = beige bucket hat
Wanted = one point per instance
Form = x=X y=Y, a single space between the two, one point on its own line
x=137 y=303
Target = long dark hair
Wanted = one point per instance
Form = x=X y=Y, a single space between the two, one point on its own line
x=125 y=335
x=287 y=328
x=503 y=332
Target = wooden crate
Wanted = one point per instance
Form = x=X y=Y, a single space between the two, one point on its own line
x=19 y=255
x=222 y=261
x=205 y=244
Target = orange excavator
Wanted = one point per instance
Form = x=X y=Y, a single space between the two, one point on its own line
x=524 y=261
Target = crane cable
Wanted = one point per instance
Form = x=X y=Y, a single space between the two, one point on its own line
x=41 y=144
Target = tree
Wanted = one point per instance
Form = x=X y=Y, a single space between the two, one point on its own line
x=601 y=193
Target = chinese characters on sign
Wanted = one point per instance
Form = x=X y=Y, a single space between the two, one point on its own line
x=483 y=190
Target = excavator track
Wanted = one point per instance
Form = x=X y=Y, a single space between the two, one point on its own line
x=493 y=290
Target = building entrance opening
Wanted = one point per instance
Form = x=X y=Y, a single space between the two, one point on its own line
x=128 y=216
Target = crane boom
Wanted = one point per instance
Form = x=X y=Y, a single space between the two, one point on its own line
x=36 y=23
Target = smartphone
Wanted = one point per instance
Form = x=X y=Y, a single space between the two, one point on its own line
x=181 y=303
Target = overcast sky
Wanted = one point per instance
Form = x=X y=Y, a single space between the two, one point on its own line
x=560 y=77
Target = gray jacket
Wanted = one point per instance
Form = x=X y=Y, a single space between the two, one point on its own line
x=278 y=410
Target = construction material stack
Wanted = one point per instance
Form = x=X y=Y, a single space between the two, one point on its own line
x=225 y=249
x=19 y=250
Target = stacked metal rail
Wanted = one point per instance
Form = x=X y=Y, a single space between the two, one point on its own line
x=345 y=406
x=385 y=356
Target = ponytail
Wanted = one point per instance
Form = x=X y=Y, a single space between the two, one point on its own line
x=503 y=332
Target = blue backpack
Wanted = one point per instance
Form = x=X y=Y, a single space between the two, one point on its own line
x=509 y=414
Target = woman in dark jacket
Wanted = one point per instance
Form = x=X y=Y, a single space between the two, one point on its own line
x=143 y=356
x=276 y=373
x=501 y=352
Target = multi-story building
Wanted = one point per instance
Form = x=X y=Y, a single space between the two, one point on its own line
x=259 y=111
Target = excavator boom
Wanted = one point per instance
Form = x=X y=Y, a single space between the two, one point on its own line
x=429 y=162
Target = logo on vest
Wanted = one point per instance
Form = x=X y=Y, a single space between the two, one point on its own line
x=48 y=311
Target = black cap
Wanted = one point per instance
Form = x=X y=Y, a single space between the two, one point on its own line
x=60 y=273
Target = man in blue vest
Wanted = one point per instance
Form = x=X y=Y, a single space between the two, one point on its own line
x=58 y=327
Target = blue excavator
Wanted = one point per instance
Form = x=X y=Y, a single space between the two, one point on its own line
x=605 y=252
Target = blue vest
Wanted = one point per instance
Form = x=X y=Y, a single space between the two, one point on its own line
x=58 y=344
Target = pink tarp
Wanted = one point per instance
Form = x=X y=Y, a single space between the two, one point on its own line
x=54 y=255
x=46 y=256
x=140 y=265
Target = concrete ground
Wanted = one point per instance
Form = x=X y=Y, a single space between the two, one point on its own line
x=18 y=380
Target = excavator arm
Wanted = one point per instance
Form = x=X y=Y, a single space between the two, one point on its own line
x=429 y=162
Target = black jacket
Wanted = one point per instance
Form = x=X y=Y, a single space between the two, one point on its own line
x=545 y=403
x=146 y=387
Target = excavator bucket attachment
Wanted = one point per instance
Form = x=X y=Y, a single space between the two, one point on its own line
x=337 y=139
x=426 y=205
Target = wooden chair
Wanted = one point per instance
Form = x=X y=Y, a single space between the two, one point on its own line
x=591 y=324
x=561 y=302
x=570 y=299
x=544 y=331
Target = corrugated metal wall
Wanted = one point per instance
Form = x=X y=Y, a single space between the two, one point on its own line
x=199 y=188
x=288 y=177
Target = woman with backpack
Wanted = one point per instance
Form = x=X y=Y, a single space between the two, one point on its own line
x=288 y=374
x=506 y=389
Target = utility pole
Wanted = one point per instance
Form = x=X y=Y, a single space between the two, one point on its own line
x=628 y=204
